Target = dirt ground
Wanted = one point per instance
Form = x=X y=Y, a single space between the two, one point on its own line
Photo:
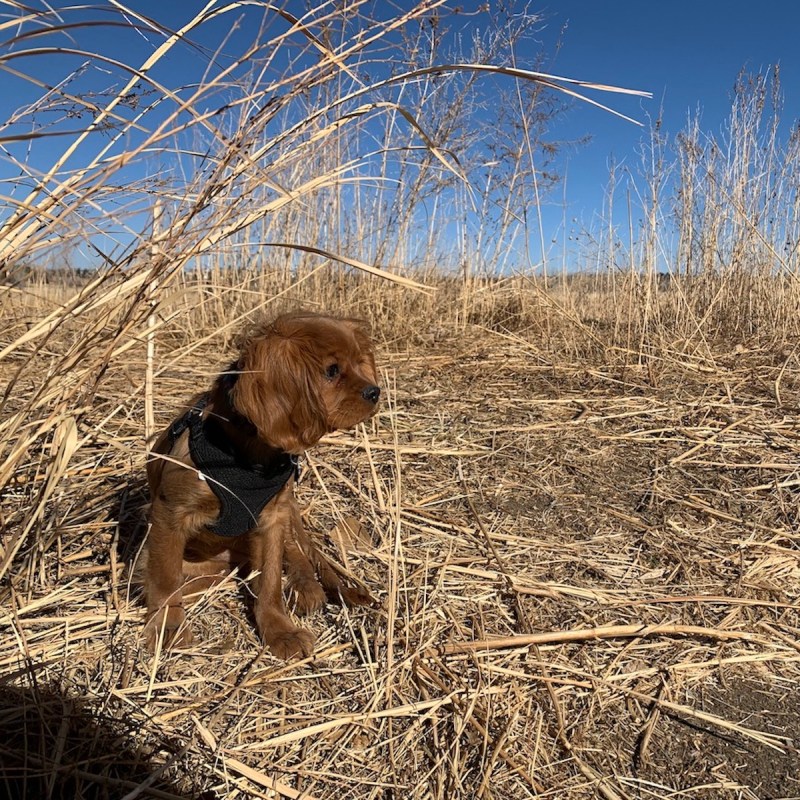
x=640 y=516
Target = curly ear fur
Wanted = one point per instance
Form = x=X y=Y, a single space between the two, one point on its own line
x=278 y=389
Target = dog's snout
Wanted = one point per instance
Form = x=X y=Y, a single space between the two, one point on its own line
x=371 y=394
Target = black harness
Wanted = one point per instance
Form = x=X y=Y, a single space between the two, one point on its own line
x=242 y=488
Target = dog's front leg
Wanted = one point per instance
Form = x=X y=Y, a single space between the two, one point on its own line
x=305 y=592
x=164 y=581
x=279 y=633
x=304 y=560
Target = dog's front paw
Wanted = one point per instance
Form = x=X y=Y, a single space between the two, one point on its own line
x=306 y=595
x=172 y=622
x=355 y=596
x=294 y=643
x=284 y=639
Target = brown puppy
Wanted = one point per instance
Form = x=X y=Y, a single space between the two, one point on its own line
x=222 y=475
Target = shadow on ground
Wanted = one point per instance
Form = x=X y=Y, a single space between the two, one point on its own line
x=130 y=513
x=53 y=745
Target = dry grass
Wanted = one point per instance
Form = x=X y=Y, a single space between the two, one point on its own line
x=588 y=569
x=578 y=504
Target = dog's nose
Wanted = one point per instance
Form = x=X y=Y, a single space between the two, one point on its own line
x=371 y=394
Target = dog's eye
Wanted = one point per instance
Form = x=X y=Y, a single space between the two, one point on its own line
x=332 y=371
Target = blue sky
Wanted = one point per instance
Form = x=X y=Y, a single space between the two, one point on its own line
x=687 y=54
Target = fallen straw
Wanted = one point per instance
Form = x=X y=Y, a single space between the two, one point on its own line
x=587 y=634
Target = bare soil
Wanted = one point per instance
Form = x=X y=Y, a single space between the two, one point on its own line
x=694 y=752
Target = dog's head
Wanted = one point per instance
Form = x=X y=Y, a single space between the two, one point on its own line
x=305 y=375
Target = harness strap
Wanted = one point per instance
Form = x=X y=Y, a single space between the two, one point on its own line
x=243 y=489
x=184 y=422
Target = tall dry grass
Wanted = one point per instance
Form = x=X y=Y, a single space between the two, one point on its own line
x=713 y=217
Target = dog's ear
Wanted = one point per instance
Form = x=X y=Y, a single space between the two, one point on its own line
x=278 y=391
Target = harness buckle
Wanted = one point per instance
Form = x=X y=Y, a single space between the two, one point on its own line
x=197 y=408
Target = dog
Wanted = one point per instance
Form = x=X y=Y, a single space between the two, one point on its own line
x=222 y=477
